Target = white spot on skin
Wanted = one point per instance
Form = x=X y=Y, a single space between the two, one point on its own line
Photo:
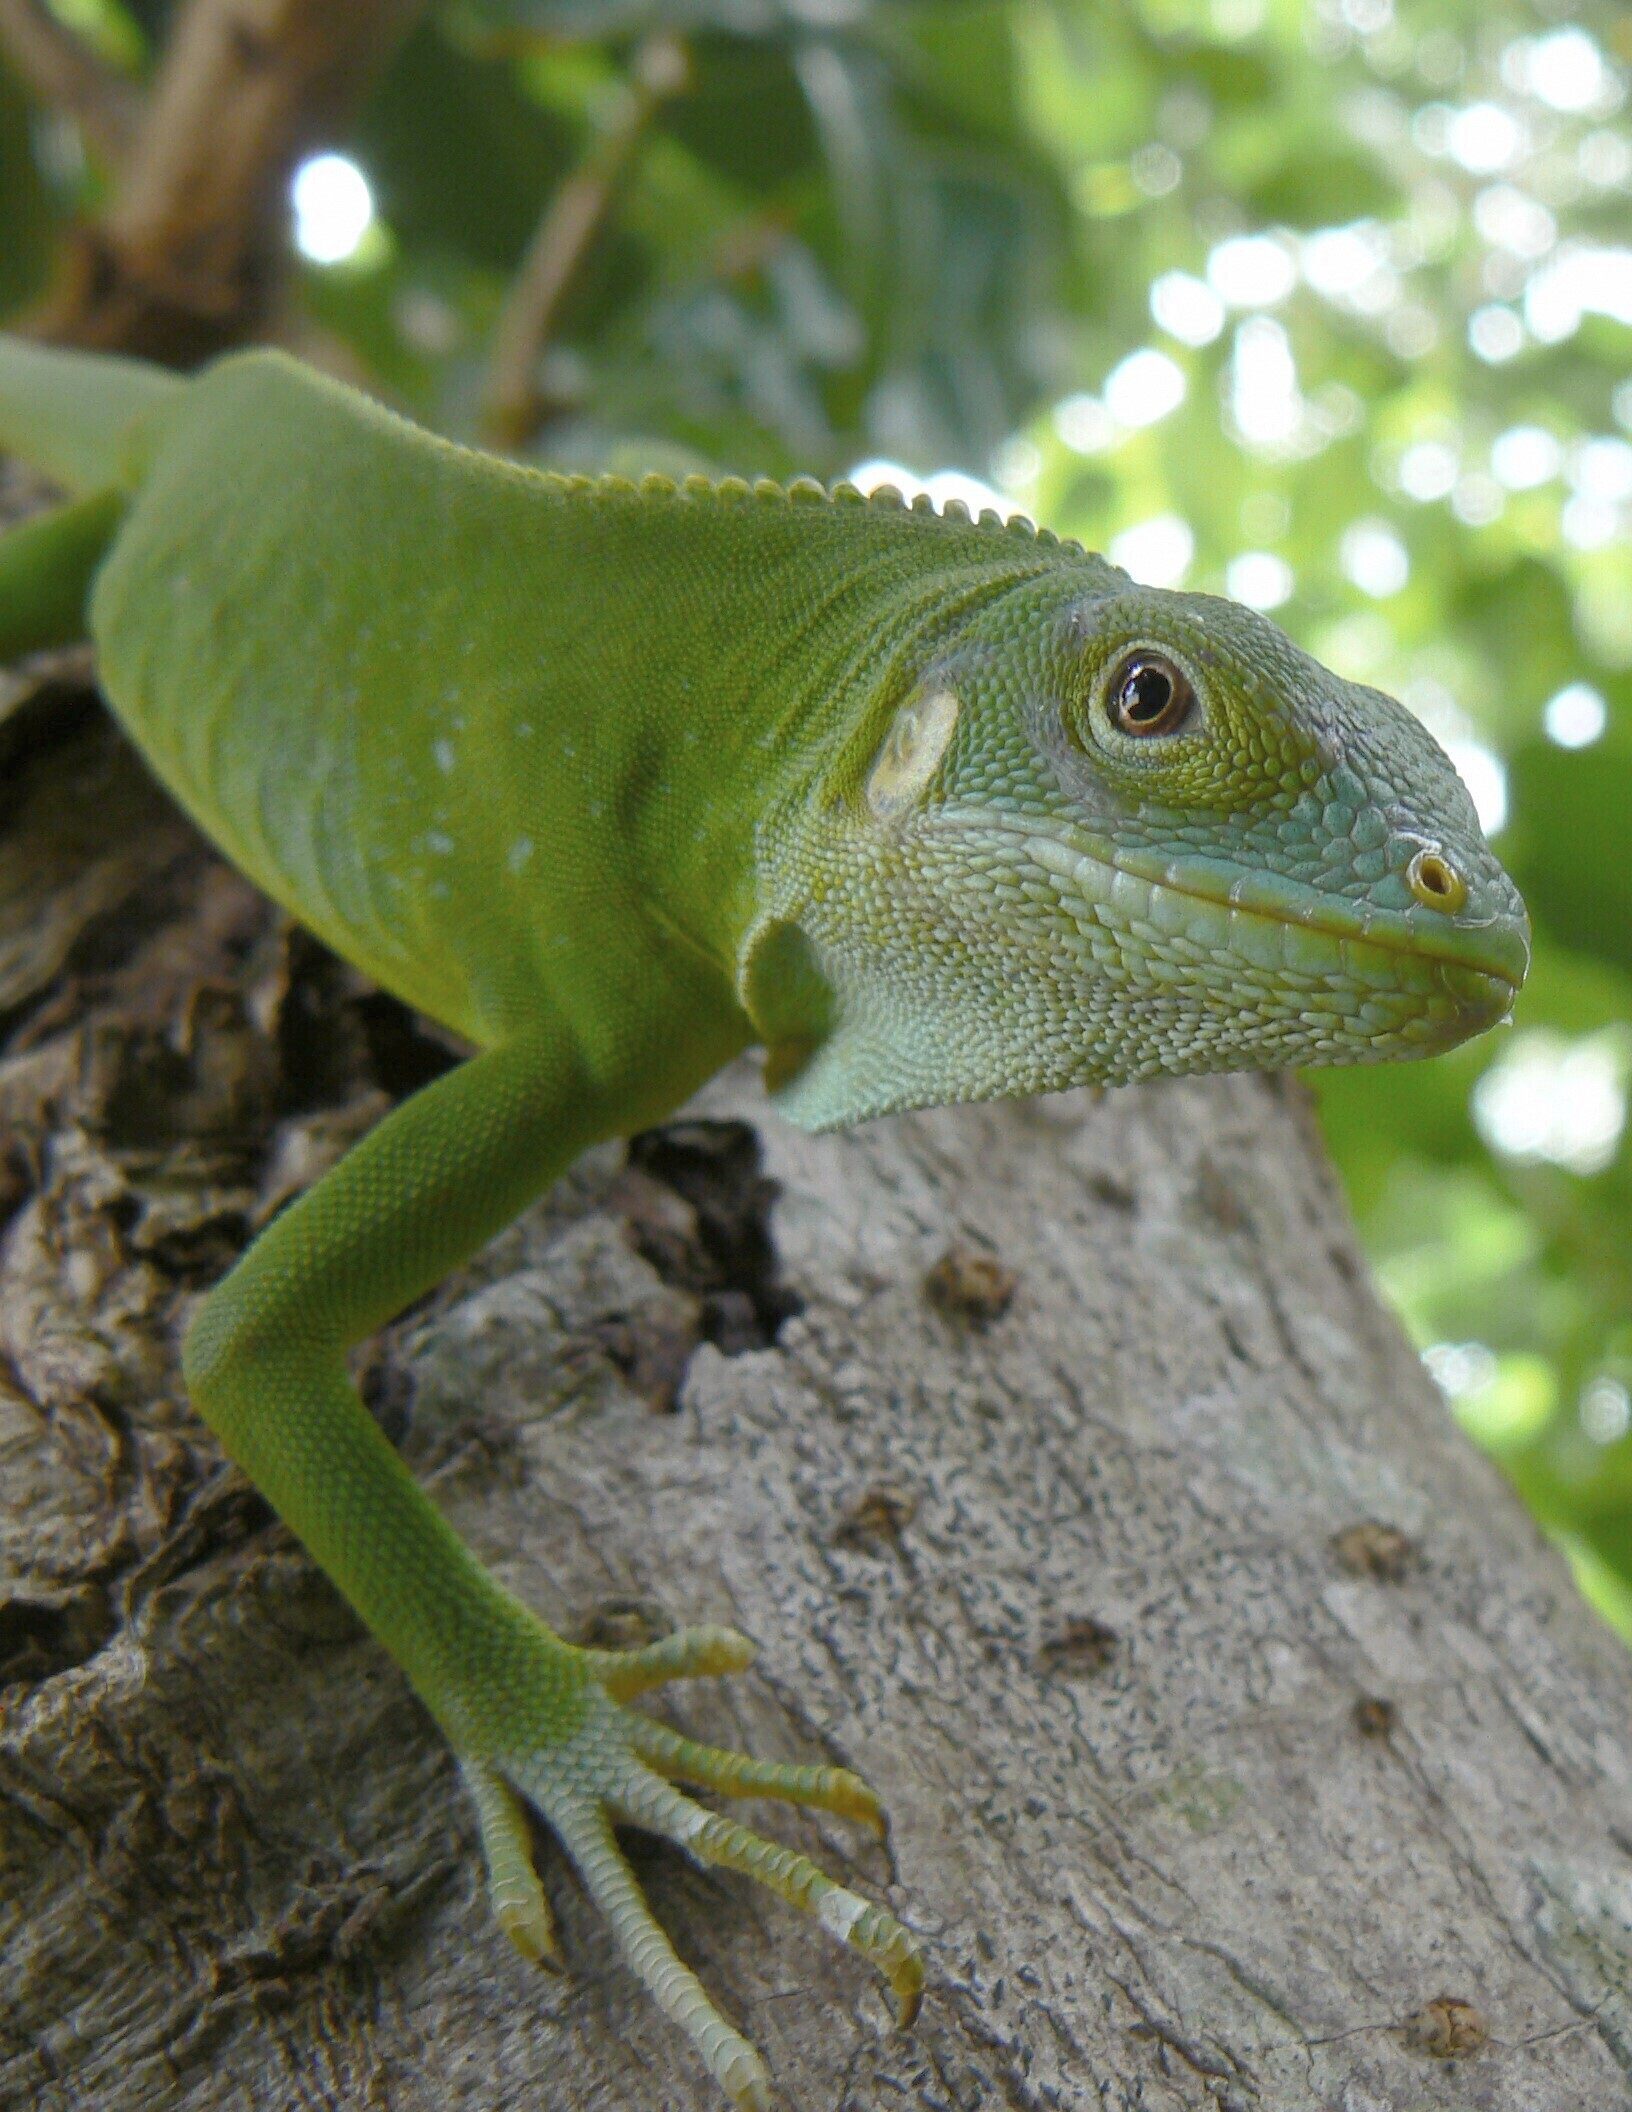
x=917 y=740
x=838 y=1912
x=439 y=842
x=446 y=756
x=519 y=853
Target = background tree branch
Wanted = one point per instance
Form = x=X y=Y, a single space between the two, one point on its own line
x=188 y=258
x=63 y=72
x=513 y=406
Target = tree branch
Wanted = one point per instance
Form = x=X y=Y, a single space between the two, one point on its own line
x=514 y=407
x=61 y=70
x=189 y=257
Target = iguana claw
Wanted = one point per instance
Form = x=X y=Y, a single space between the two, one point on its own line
x=619 y=1767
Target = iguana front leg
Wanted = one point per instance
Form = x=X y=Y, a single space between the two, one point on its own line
x=528 y=1714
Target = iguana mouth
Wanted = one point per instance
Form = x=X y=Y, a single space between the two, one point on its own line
x=1496 y=949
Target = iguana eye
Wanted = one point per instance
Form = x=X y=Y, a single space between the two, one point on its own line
x=1148 y=695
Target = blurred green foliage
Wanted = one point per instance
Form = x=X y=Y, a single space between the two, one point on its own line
x=1325 y=305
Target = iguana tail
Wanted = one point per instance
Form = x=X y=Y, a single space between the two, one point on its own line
x=79 y=417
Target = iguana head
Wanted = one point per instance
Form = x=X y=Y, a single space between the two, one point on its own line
x=1107 y=832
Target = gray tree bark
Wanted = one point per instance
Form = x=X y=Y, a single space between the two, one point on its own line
x=1244 y=1745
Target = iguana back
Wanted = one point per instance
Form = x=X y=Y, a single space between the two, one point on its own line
x=474 y=723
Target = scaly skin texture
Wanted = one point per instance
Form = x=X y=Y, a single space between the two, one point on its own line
x=617 y=781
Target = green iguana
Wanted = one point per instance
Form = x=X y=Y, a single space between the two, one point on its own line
x=618 y=780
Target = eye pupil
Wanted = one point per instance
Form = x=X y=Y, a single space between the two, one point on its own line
x=1146 y=695
x=1150 y=695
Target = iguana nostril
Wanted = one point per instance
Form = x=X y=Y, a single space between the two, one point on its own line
x=1436 y=883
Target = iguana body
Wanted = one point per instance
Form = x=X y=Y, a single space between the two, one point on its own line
x=618 y=781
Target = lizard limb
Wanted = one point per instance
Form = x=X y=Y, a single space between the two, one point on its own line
x=529 y=1714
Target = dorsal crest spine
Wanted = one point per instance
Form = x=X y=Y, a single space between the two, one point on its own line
x=699 y=490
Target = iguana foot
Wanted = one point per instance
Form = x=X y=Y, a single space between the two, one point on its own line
x=616 y=1765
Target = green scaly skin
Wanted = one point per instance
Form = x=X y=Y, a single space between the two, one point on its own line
x=618 y=781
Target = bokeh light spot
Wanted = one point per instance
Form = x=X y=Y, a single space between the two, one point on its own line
x=333 y=207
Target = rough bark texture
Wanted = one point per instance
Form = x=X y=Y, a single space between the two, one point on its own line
x=1245 y=1746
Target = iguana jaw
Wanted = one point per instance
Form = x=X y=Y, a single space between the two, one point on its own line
x=1281 y=926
